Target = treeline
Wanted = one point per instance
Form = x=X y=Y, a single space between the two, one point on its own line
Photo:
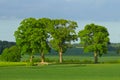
x=75 y=49
x=5 y=44
x=10 y=52
x=111 y=47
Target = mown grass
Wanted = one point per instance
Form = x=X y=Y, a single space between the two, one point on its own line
x=62 y=72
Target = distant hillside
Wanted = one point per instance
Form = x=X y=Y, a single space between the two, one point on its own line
x=76 y=49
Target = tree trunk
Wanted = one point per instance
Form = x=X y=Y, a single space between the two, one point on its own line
x=42 y=57
x=31 y=59
x=95 y=57
x=60 y=56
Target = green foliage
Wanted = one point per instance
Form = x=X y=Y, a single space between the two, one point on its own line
x=94 y=38
x=24 y=36
x=11 y=54
x=62 y=33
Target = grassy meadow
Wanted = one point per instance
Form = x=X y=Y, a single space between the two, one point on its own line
x=62 y=72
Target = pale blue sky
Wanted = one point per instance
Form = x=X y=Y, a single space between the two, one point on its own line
x=102 y=12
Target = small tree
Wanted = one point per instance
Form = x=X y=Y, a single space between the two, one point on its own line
x=11 y=54
x=94 y=38
x=63 y=32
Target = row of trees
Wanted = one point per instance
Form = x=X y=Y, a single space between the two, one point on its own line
x=40 y=35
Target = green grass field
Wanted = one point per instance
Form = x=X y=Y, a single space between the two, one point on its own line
x=74 y=67
x=107 y=69
x=62 y=72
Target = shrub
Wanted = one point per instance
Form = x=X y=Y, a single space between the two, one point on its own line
x=11 y=54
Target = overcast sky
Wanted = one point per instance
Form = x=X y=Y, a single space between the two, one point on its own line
x=102 y=12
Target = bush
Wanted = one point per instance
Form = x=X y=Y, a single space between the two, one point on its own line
x=11 y=54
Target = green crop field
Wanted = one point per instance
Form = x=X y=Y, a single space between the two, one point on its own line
x=62 y=72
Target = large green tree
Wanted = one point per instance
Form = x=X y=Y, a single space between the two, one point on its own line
x=94 y=38
x=62 y=33
x=31 y=37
